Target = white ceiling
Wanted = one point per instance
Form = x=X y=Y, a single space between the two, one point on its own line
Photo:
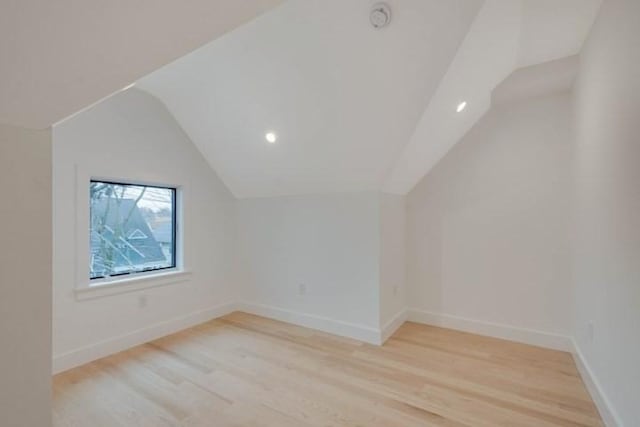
x=553 y=29
x=356 y=108
x=505 y=35
x=537 y=80
x=57 y=57
x=342 y=97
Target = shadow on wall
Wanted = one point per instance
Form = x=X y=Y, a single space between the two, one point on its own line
x=488 y=227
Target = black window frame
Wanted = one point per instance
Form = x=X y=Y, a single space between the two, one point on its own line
x=174 y=220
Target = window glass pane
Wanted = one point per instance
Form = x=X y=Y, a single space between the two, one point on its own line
x=132 y=228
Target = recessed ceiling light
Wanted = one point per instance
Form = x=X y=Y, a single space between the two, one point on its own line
x=271 y=137
x=461 y=106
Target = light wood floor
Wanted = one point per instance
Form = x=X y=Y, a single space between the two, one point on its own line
x=244 y=370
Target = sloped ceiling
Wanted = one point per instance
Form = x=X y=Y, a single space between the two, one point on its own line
x=537 y=80
x=506 y=35
x=57 y=57
x=356 y=108
x=342 y=97
x=553 y=29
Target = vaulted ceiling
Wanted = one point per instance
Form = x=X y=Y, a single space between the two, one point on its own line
x=342 y=97
x=505 y=36
x=356 y=108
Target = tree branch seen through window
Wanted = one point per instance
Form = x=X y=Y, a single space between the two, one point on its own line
x=133 y=228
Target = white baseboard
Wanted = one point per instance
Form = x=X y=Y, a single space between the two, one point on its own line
x=608 y=414
x=496 y=330
x=392 y=325
x=325 y=324
x=80 y=356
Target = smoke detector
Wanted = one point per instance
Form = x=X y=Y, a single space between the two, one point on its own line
x=380 y=15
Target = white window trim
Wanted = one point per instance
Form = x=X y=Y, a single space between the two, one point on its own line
x=85 y=288
x=112 y=286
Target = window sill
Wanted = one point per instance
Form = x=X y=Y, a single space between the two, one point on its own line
x=103 y=288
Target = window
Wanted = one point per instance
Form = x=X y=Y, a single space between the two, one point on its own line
x=133 y=229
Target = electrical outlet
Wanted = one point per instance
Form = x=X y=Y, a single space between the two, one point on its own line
x=590 y=331
x=302 y=289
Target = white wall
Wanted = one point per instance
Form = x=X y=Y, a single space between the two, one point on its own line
x=348 y=250
x=132 y=136
x=488 y=230
x=328 y=243
x=392 y=257
x=607 y=245
x=25 y=277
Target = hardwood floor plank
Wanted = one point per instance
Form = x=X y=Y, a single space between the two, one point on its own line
x=244 y=370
